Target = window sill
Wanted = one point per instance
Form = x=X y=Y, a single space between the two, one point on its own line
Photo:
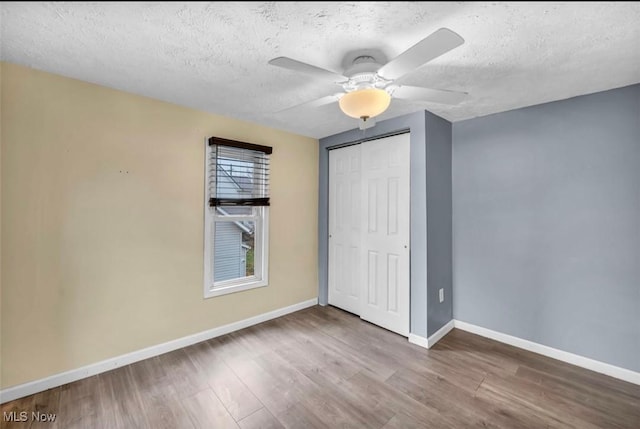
x=224 y=290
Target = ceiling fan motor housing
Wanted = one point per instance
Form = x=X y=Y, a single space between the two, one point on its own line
x=363 y=74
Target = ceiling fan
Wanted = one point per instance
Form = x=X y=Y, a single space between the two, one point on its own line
x=368 y=82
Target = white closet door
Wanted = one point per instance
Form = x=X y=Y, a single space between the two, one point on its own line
x=369 y=231
x=345 y=228
x=385 y=240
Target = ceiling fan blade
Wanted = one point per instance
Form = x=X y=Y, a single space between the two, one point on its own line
x=440 y=96
x=432 y=46
x=315 y=103
x=295 y=65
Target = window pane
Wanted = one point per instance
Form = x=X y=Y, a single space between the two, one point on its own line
x=235 y=211
x=234 y=246
x=240 y=173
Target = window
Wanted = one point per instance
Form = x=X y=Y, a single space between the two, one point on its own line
x=236 y=216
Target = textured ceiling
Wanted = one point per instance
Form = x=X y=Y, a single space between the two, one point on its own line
x=213 y=56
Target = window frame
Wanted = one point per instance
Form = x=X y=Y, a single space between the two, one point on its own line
x=260 y=217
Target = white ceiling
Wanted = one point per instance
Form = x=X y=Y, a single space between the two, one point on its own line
x=213 y=56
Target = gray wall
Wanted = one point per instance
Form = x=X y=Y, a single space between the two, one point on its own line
x=415 y=123
x=421 y=140
x=439 y=244
x=546 y=224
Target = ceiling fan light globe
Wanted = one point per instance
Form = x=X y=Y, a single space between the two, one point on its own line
x=369 y=102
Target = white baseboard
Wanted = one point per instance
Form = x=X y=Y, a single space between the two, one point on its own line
x=427 y=343
x=437 y=336
x=581 y=361
x=419 y=340
x=56 y=380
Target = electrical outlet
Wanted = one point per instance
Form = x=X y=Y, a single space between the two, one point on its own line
x=441 y=292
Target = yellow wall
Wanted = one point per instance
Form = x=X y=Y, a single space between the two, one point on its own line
x=102 y=223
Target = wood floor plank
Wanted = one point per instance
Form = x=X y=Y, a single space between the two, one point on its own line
x=345 y=339
x=185 y=377
x=268 y=388
x=446 y=399
x=12 y=413
x=338 y=404
x=320 y=363
x=123 y=406
x=78 y=403
x=290 y=379
x=597 y=399
x=520 y=414
x=47 y=403
x=468 y=355
x=554 y=406
x=232 y=392
x=335 y=412
x=325 y=368
x=296 y=416
x=402 y=421
x=551 y=367
x=365 y=406
x=370 y=387
x=277 y=392
x=449 y=369
x=159 y=398
x=206 y=411
x=261 y=419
